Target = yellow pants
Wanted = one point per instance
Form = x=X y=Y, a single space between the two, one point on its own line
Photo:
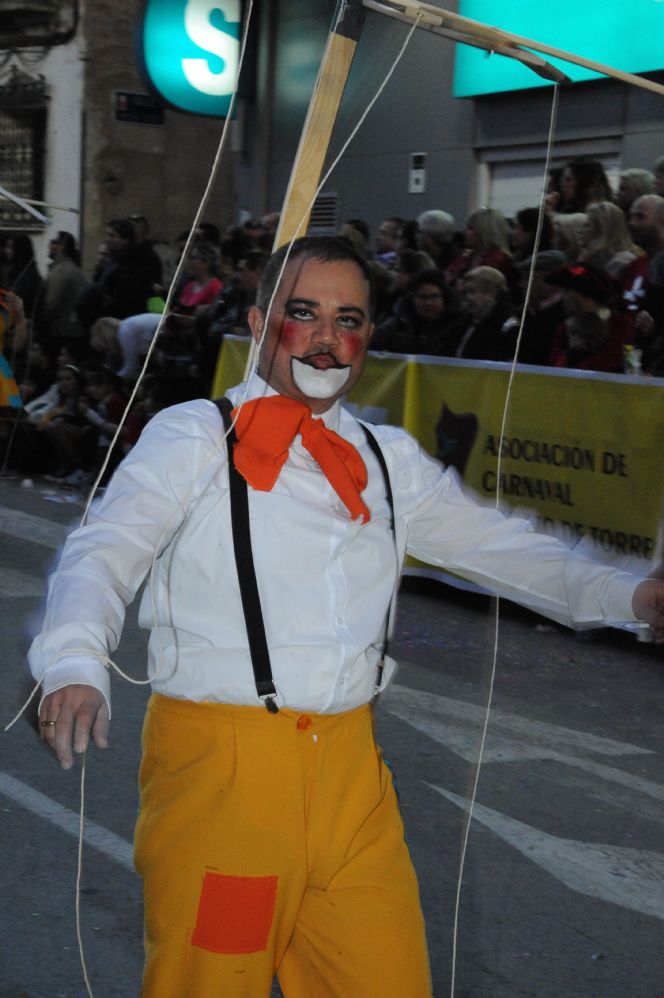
x=273 y=843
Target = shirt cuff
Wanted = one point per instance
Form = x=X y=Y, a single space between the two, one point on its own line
x=616 y=601
x=77 y=669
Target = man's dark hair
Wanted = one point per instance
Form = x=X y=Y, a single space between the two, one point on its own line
x=209 y=232
x=207 y=252
x=360 y=226
x=68 y=244
x=22 y=251
x=254 y=260
x=230 y=249
x=325 y=249
x=411 y=262
x=528 y=219
x=124 y=229
x=430 y=276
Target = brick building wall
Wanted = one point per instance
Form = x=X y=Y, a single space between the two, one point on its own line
x=159 y=171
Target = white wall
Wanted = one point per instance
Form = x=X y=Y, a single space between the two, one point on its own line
x=62 y=68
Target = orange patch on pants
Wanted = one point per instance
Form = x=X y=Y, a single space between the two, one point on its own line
x=235 y=913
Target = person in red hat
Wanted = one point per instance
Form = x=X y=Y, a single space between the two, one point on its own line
x=594 y=334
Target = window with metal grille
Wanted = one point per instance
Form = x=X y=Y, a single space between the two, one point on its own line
x=22 y=136
x=36 y=22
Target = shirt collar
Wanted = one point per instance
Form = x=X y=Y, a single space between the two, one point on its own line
x=256 y=387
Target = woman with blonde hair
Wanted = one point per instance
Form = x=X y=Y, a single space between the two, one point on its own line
x=608 y=243
x=487 y=244
x=568 y=234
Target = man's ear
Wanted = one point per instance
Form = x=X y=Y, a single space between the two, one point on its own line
x=372 y=328
x=256 y=321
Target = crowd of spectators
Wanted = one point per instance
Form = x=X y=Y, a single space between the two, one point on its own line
x=73 y=344
x=596 y=297
x=76 y=342
x=597 y=279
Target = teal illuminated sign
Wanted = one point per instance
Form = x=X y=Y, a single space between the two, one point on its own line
x=627 y=36
x=190 y=50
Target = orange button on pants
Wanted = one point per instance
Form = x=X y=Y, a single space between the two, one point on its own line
x=273 y=843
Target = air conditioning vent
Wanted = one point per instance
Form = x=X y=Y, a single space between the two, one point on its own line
x=324 y=215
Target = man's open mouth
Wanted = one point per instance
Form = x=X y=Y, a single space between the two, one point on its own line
x=320 y=361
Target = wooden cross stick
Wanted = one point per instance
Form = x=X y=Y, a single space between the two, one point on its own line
x=305 y=175
x=24 y=204
x=321 y=116
x=333 y=74
x=497 y=40
x=490 y=39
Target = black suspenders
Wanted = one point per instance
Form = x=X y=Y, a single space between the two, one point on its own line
x=378 y=454
x=244 y=562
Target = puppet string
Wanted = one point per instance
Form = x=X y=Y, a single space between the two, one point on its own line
x=328 y=173
x=182 y=503
x=496 y=618
x=178 y=270
x=201 y=207
x=197 y=217
x=95 y=485
x=300 y=226
x=79 y=878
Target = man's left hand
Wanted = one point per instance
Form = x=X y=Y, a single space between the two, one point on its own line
x=648 y=605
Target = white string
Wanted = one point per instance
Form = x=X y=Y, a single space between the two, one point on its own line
x=183 y=502
x=24 y=707
x=496 y=623
x=79 y=877
x=330 y=171
x=105 y=659
x=181 y=263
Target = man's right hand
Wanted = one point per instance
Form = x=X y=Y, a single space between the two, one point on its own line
x=69 y=716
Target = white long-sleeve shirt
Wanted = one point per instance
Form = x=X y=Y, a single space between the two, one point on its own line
x=325 y=581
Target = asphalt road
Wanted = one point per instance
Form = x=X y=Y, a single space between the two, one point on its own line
x=563 y=888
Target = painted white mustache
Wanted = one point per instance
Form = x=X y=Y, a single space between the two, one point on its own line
x=318 y=384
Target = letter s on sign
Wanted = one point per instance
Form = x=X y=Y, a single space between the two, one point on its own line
x=218 y=43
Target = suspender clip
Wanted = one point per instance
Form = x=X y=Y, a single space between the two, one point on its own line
x=380 y=668
x=270 y=701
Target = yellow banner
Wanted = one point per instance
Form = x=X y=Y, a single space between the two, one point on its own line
x=580 y=449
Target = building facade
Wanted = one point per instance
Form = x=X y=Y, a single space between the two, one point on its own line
x=486 y=150
x=80 y=131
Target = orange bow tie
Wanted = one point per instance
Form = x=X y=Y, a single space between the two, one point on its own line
x=266 y=427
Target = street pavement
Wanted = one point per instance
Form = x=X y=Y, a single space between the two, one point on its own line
x=563 y=885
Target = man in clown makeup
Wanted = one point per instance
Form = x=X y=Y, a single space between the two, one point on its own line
x=269 y=838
